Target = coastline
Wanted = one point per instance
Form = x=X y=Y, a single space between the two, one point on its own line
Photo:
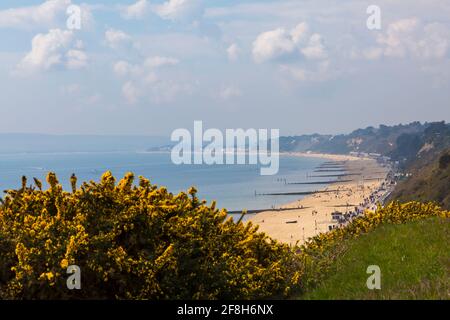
x=328 y=156
x=311 y=215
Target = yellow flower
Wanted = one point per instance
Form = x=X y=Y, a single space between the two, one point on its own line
x=64 y=263
x=49 y=276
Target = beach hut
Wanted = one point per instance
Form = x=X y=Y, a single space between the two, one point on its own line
x=336 y=215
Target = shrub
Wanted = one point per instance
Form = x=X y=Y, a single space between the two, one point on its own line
x=142 y=242
x=444 y=161
x=133 y=242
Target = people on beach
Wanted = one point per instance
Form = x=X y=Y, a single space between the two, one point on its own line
x=354 y=196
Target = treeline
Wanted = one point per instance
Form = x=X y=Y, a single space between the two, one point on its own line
x=400 y=142
x=421 y=151
x=429 y=180
x=425 y=158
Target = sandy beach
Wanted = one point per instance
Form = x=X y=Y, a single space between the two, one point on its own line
x=312 y=214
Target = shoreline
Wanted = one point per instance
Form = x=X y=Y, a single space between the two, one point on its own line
x=311 y=215
x=328 y=156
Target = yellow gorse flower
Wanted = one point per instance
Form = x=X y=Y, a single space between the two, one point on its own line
x=138 y=241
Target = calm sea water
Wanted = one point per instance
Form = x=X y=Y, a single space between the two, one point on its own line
x=232 y=186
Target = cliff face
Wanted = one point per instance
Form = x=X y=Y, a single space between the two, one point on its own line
x=429 y=180
x=422 y=150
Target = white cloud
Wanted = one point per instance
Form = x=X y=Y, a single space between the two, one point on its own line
x=233 y=52
x=308 y=58
x=398 y=37
x=70 y=89
x=55 y=48
x=280 y=43
x=137 y=10
x=321 y=72
x=154 y=89
x=373 y=53
x=130 y=92
x=435 y=42
x=410 y=38
x=299 y=33
x=116 y=38
x=272 y=44
x=149 y=80
x=174 y=10
x=157 y=61
x=230 y=92
x=94 y=99
x=76 y=59
x=123 y=68
x=296 y=73
x=315 y=48
x=167 y=91
x=47 y=14
x=179 y=9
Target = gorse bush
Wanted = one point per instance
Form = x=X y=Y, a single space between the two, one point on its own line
x=142 y=242
x=133 y=242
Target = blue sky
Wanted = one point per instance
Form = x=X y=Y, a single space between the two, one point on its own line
x=149 y=67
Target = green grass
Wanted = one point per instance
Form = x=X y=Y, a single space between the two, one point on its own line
x=414 y=259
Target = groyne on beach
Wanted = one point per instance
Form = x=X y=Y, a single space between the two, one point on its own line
x=363 y=183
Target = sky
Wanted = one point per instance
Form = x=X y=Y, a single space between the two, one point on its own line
x=149 y=67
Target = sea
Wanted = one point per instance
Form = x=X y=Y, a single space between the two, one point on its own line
x=234 y=187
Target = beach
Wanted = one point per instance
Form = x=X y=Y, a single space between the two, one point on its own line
x=363 y=182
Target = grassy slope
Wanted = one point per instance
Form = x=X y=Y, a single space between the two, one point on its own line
x=414 y=259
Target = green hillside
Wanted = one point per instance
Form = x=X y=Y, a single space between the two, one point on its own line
x=422 y=151
x=429 y=181
x=386 y=140
x=404 y=143
x=414 y=260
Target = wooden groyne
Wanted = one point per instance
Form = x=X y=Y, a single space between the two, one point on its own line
x=301 y=193
x=335 y=175
x=330 y=170
x=334 y=162
x=319 y=182
x=264 y=210
x=329 y=164
x=343 y=206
